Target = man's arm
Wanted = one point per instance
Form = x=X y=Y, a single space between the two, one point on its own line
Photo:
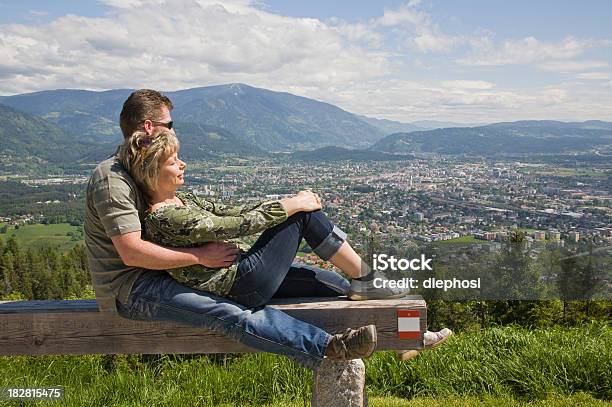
x=136 y=252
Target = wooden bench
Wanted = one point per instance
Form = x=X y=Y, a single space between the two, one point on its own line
x=76 y=327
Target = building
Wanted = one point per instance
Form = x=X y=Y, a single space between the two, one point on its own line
x=573 y=237
x=489 y=235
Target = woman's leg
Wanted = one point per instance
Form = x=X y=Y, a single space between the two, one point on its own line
x=347 y=260
x=364 y=281
x=263 y=269
x=304 y=280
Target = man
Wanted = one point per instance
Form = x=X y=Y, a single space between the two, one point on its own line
x=127 y=271
x=115 y=207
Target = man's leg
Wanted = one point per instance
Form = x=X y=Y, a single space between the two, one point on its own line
x=158 y=297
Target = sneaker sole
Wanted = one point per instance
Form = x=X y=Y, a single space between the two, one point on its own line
x=353 y=296
x=440 y=342
x=411 y=354
x=374 y=335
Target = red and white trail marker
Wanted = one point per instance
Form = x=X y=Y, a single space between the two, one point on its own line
x=408 y=324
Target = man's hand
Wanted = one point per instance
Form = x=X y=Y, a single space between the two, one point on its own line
x=136 y=252
x=217 y=254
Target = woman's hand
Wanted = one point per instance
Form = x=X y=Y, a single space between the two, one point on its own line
x=304 y=201
x=309 y=201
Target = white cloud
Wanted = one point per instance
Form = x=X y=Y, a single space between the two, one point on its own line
x=571 y=66
x=358 y=33
x=362 y=67
x=38 y=13
x=123 y=3
x=433 y=41
x=405 y=14
x=468 y=84
x=459 y=101
x=524 y=51
x=416 y=28
x=206 y=43
x=593 y=75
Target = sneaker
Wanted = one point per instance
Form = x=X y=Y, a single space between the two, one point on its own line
x=352 y=343
x=365 y=290
x=431 y=340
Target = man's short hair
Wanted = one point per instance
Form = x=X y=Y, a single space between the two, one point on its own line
x=141 y=105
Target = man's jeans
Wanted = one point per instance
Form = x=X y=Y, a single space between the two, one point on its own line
x=158 y=297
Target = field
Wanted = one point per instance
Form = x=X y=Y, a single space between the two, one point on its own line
x=462 y=240
x=53 y=235
x=470 y=239
x=568 y=172
x=506 y=366
x=235 y=168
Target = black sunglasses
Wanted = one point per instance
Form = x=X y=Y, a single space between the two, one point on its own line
x=167 y=125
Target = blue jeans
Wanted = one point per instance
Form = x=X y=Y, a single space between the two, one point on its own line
x=158 y=297
x=263 y=271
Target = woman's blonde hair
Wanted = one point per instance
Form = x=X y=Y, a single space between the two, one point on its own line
x=142 y=156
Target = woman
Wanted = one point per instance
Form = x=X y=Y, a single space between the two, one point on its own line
x=263 y=270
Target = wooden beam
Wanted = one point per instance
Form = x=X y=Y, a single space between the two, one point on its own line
x=77 y=327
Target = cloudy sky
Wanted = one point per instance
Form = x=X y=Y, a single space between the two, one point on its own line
x=469 y=61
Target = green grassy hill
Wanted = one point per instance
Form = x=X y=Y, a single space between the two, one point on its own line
x=61 y=236
x=506 y=366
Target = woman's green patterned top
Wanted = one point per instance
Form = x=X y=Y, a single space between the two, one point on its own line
x=200 y=221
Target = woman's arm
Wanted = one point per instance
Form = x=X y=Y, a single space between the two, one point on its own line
x=190 y=224
x=305 y=201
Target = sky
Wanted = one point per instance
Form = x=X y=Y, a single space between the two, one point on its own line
x=465 y=61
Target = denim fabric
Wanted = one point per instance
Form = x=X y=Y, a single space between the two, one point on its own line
x=264 y=267
x=156 y=296
x=330 y=245
x=304 y=280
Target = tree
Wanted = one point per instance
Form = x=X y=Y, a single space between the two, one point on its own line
x=565 y=282
x=515 y=281
x=9 y=278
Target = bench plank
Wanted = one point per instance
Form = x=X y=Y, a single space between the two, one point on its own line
x=77 y=327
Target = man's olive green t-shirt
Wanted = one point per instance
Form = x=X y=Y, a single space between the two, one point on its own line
x=114 y=206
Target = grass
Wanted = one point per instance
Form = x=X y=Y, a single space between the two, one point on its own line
x=235 y=168
x=462 y=240
x=472 y=239
x=38 y=235
x=505 y=362
x=506 y=366
x=570 y=172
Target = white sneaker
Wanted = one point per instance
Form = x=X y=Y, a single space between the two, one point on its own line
x=435 y=339
x=431 y=340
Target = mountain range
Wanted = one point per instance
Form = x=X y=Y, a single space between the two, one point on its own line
x=60 y=126
x=273 y=121
x=520 y=137
x=26 y=137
